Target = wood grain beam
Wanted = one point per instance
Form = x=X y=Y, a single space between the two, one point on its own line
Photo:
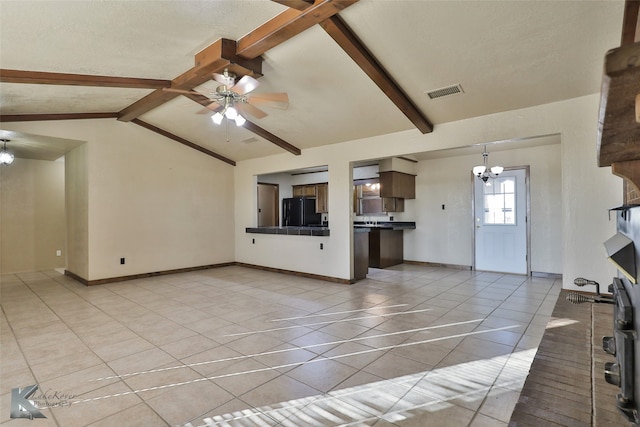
x=289 y=23
x=250 y=126
x=630 y=22
x=213 y=59
x=352 y=45
x=6 y=118
x=44 y=78
x=182 y=141
x=295 y=4
x=618 y=132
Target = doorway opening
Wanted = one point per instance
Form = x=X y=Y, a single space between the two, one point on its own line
x=268 y=213
x=501 y=222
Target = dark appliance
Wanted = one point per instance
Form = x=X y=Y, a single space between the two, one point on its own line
x=624 y=345
x=300 y=211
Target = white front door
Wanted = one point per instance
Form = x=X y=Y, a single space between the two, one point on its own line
x=501 y=222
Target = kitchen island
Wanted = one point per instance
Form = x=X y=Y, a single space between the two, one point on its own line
x=378 y=245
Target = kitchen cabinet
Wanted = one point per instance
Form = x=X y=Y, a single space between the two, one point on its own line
x=367 y=200
x=304 y=190
x=360 y=253
x=322 y=198
x=397 y=184
x=385 y=248
x=319 y=191
x=392 y=204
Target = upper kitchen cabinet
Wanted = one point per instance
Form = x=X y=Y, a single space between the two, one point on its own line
x=304 y=190
x=322 y=198
x=397 y=184
x=319 y=191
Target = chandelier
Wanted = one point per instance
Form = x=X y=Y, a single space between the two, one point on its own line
x=6 y=158
x=483 y=172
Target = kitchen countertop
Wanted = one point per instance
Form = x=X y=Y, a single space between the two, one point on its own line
x=290 y=230
x=385 y=225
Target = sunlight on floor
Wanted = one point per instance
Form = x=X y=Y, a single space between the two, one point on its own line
x=393 y=400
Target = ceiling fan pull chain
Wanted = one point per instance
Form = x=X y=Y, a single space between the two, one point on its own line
x=227 y=125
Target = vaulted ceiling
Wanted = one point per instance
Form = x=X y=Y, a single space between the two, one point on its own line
x=352 y=69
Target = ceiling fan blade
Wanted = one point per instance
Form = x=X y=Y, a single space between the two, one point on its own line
x=245 y=85
x=276 y=100
x=209 y=108
x=228 y=81
x=250 y=109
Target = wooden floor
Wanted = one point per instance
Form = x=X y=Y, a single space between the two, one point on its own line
x=568 y=372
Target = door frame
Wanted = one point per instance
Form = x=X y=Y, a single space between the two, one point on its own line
x=277 y=202
x=527 y=171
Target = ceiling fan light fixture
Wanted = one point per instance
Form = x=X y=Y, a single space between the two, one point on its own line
x=240 y=120
x=231 y=113
x=6 y=158
x=217 y=118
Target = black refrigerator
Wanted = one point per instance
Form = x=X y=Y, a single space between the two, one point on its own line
x=300 y=211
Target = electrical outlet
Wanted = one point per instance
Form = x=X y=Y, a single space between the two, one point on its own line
x=321 y=246
x=253 y=241
x=58 y=252
x=121 y=260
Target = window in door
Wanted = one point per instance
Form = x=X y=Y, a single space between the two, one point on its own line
x=500 y=201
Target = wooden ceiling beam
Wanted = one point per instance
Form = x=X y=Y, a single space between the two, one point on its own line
x=182 y=141
x=295 y=4
x=6 y=118
x=250 y=126
x=44 y=78
x=352 y=45
x=213 y=59
x=288 y=24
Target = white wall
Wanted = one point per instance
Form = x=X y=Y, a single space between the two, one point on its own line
x=77 y=210
x=588 y=191
x=32 y=216
x=446 y=236
x=156 y=203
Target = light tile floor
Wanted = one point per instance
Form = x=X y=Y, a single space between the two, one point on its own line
x=408 y=346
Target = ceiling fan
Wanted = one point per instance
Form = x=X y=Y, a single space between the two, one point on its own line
x=232 y=99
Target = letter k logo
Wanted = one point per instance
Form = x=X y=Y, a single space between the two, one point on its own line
x=21 y=407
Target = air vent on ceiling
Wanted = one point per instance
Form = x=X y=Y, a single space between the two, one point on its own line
x=445 y=91
x=249 y=140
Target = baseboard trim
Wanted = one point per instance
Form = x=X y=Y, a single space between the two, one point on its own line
x=297 y=273
x=439 y=265
x=546 y=275
x=202 y=267
x=143 y=275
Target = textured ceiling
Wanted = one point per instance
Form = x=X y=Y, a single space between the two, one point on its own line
x=505 y=54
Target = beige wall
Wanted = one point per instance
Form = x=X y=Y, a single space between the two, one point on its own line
x=162 y=205
x=77 y=211
x=32 y=215
x=587 y=191
x=156 y=203
x=446 y=236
